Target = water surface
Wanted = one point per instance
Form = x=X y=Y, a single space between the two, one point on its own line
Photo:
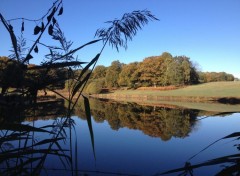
x=129 y=139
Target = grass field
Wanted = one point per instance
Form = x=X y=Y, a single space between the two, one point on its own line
x=214 y=89
x=192 y=97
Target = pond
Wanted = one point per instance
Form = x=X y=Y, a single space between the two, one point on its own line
x=122 y=139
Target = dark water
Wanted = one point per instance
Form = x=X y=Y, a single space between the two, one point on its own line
x=129 y=139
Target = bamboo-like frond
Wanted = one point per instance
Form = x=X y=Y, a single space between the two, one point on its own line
x=122 y=30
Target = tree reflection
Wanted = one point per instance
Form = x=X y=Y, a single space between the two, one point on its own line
x=163 y=122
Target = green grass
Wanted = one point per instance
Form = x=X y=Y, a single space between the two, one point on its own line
x=208 y=91
x=214 y=89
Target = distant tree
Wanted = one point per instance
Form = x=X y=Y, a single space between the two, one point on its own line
x=127 y=76
x=190 y=75
x=151 y=71
x=175 y=73
x=215 y=76
x=144 y=72
x=99 y=72
x=166 y=55
x=112 y=74
x=229 y=77
x=160 y=71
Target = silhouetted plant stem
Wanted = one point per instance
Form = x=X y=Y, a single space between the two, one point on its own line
x=80 y=93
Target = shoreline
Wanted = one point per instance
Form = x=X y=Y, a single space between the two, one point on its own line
x=202 y=99
x=209 y=104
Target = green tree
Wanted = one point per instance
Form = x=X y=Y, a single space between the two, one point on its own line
x=229 y=77
x=127 y=76
x=175 y=73
x=215 y=76
x=99 y=72
x=190 y=74
x=112 y=74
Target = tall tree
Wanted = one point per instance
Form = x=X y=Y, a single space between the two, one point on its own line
x=112 y=74
x=127 y=76
x=175 y=73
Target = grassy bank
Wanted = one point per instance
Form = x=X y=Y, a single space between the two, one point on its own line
x=195 y=93
x=201 y=96
x=214 y=89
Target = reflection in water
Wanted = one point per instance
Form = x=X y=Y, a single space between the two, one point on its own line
x=36 y=138
x=41 y=110
x=25 y=147
x=162 y=122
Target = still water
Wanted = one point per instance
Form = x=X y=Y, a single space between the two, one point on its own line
x=128 y=139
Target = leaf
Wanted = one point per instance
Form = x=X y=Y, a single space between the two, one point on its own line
x=57 y=65
x=89 y=121
x=233 y=135
x=47 y=141
x=29 y=56
x=50 y=29
x=221 y=160
x=22 y=127
x=22 y=28
x=54 y=21
x=48 y=126
x=60 y=11
x=36 y=49
x=73 y=51
x=89 y=65
x=37 y=29
x=42 y=26
x=51 y=15
x=79 y=84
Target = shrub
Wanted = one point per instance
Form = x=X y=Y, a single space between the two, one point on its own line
x=95 y=87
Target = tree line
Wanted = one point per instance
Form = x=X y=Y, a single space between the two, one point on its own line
x=29 y=77
x=163 y=70
x=205 y=77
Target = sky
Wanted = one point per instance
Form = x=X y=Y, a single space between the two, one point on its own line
x=206 y=31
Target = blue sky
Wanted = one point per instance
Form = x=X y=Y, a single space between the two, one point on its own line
x=207 y=31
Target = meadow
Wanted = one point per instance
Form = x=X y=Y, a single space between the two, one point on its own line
x=203 y=96
x=213 y=89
